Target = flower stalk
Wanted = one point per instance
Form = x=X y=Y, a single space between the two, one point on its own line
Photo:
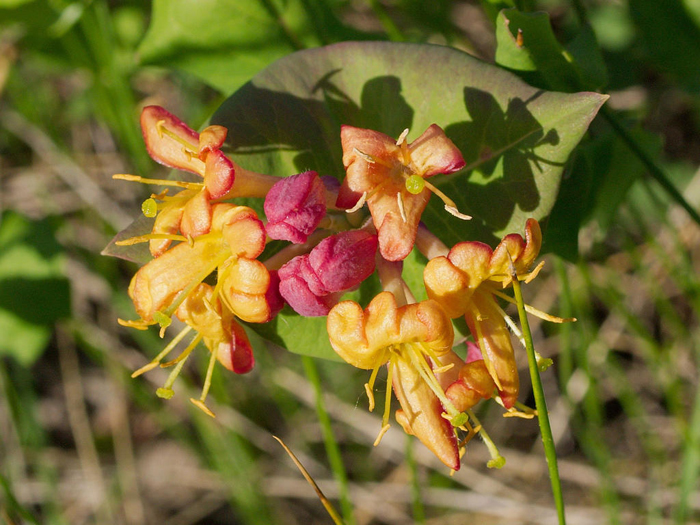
x=540 y=401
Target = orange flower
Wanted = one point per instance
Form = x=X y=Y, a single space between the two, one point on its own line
x=171 y=142
x=411 y=340
x=466 y=282
x=390 y=176
x=236 y=238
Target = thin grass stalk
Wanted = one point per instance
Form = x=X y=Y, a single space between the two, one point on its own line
x=331 y=444
x=540 y=403
x=416 y=498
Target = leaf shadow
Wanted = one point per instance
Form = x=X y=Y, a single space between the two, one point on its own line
x=261 y=120
x=499 y=147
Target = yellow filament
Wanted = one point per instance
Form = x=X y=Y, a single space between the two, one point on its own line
x=166 y=391
x=487 y=361
x=203 y=274
x=159 y=182
x=189 y=148
x=149 y=236
x=383 y=431
x=139 y=324
x=185 y=353
x=421 y=365
x=534 y=311
x=205 y=389
x=402 y=210
x=156 y=360
x=450 y=205
x=370 y=159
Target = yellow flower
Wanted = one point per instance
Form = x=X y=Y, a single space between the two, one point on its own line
x=468 y=280
x=411 y=340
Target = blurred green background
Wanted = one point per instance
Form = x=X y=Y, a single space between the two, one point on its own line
x=81 y=442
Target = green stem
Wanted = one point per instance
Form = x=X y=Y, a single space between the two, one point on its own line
x=540 y=403
x=654 y=171
x=332 y=448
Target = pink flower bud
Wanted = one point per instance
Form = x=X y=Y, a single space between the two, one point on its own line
x=312 y=284
x=294 y=207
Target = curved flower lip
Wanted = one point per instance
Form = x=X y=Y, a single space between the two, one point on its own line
x=403 y=337
x=451 y=280
x=377 y=168
x=171 y=142
x=361 y=336
x=313 y=283
x=238 y=237
x=295 y=206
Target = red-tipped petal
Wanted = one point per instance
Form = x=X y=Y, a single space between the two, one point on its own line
x=434 y=153
x=157 y=126
x=237 y=353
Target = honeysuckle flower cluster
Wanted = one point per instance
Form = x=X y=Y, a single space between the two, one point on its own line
x=208 y=271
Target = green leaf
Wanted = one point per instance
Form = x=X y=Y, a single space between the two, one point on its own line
x=516 y=139
x=527 y=45
x=224 y=42
x=34 y=292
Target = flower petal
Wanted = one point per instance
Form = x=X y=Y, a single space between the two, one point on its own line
x=421 y=413
x=434 y=153
x=196 y=218
x=486 y=323
x=219 y=174
x=166 y=149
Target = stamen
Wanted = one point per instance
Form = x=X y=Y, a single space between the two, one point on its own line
x=149 y=236
x=369 y=386
x=156 y=360
x=443 y=369
x=423 y=368
x=519 y=410
x=159 y=182
x=203 y=274
x=199 y=403
x=530 y=276
x=189 y=148
x=185 y=353
x=450 y=205
x=370 y=395
x=534 y=311
x=402 y=137
x=166 y=391
x=359 y=204
x=138 y=324
x=496 y=461
x=369 y=158
x=402 y=210
x=383 y=431
x=489 y=365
